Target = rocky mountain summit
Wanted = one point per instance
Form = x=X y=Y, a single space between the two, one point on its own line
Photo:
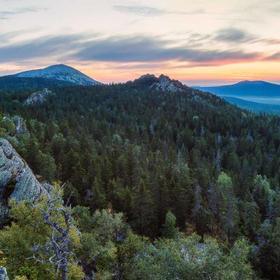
x=164 y=83
x=161 y=83
x=38 y=97
x=17 y=180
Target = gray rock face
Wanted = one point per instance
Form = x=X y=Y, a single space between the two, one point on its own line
x=161 y=83
x=17 y=181
x=3 y=274
x=19 y=124
x=164 y=83
x=38 y=98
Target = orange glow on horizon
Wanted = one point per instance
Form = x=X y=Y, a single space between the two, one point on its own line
x=114 y=72
x=263 y=70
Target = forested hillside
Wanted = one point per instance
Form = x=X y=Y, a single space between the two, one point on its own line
x=163 y=159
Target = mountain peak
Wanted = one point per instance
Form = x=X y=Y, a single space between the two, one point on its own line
x=147 y=78
x=61 y=67
x=161 y=83
x=248 y=82
x=60 y=72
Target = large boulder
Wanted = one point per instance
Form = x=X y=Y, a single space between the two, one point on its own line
x=17 y=180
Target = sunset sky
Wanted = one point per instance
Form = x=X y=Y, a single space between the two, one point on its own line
x=198 y=42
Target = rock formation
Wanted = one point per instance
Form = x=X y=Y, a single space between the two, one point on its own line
x=38 y=97
x=20 y=125
x=17 y=181
x=161 y=83
x=164 y=83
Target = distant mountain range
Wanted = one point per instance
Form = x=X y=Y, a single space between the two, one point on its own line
x=258 y=96
x=62 y=75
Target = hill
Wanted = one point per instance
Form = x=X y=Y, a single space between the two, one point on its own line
x=13 y=83
x=50 y=77
x=246 y=89
x=254 y=106
x=60 y=72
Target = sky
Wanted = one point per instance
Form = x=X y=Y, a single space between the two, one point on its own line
x=200 y=42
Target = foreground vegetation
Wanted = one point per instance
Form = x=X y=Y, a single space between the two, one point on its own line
x=103 y=245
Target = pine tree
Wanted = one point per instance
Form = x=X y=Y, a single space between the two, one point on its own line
x=169 y=229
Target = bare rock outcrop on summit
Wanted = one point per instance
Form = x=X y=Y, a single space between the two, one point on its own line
x=17 y=180
x=162 y=83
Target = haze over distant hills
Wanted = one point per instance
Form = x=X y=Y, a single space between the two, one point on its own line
x=246 y=88
x=258 y=96
x=254 y=106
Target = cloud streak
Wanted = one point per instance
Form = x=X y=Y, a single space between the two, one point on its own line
x=39 y=48
x=151 y=11
x=129 y=51
x=234 y=35
x=141 y=49
x=6 y=14
x=274 y=57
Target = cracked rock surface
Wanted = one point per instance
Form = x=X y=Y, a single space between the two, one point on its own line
x=17 y=180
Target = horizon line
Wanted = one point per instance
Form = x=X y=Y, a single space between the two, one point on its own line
x=204 y=83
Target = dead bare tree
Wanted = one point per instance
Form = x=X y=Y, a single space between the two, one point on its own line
x=58 y=247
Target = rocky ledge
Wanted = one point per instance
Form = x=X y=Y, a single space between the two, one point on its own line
x=17 y=180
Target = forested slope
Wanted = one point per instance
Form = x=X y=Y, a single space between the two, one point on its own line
x=145 y=152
